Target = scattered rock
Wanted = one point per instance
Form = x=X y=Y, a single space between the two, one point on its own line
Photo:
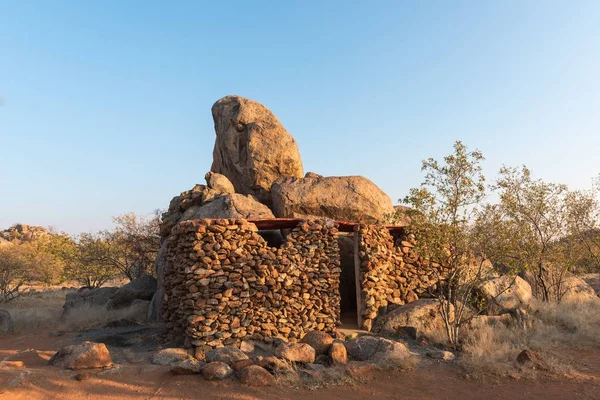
x=532 y=358
x=189 y=366
x=298 y=352
x=170 y=356
x=82 y=376
x=82 y=356
x=345 y=198
x=320 y=341
x=227 y=355
x=216 y=371
x=6 y=322
x=12 y=365
x=252 y=148
x=142 y=288
x=255 y=375
x=441 y=355
x=338 y=353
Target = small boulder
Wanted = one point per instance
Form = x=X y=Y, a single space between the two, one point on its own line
x=219 y=183
x=6 y=322
x=576 y=290
x=338 y=353
x=82 y=356
x=255 y=375
x=227 y=355
x=378 y=350
x=320 y=341
x=440 y=355
x=531 y=358
x=189 y=366
x=298 y=352
x=170 y=356
x=216 y=370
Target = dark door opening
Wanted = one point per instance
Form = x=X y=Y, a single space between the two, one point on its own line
x=348 y=314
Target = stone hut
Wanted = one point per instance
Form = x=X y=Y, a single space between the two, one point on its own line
x=225 y=283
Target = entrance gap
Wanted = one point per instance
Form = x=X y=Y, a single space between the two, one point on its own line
x=348 y=312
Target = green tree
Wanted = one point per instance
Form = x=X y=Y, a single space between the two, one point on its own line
x=443 y=210
x=539 y=210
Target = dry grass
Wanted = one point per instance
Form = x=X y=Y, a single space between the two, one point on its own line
x=550 y=329
x=42 y=310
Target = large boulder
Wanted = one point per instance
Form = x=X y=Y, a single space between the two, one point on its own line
x=576 y=290
x=423 y=315
x=88 y=297
x=297 y=352
x=505 y=293
x=252 y=148
x=82 y=356
x=6 y=322
x=219 y=183
x=255 y=375
x=228 y=355
x=229 y=206
x=142 y=288
x=345 y=198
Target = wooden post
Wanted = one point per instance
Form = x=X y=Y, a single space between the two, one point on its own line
x=357 y=280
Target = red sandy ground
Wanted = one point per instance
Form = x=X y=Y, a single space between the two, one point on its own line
x=430 y=380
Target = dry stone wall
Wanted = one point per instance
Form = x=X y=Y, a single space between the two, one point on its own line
x=391 y=273
x=226 y=284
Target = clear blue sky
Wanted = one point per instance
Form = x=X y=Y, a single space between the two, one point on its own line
x=106 y=104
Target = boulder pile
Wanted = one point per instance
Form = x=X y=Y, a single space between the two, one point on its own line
x=226 y=284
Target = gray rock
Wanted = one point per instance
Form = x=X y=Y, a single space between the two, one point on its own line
x=345 y=198
x=6 y=322
x=170 y=356
x=155 y=306
x=227 y=355
x=188 y=366
x=441 y=355
x=376 y=349
x=252 y=148
x=142 y=288
x=216 y=371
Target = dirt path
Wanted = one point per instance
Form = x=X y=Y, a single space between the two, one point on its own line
x=430 y=380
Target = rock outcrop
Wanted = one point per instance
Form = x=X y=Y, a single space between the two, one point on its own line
x=252 y=147
x=342 y=198
x=22 y=233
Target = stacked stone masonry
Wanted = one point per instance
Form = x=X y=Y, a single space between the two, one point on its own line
x=225 y=284
x=391 y=273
